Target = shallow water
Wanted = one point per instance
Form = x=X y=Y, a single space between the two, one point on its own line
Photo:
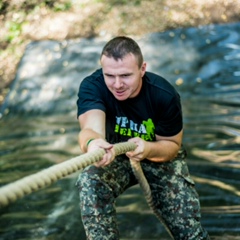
x=38 y=129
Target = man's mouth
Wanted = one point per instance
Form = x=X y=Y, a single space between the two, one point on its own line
x=119 y=92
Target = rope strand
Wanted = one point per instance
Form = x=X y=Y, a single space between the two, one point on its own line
x=18 y=189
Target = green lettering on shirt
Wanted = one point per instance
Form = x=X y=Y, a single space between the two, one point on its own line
x=126 y=127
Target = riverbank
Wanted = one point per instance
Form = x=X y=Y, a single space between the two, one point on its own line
x=26 y=21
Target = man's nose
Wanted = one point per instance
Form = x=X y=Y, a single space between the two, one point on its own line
x=118 y=82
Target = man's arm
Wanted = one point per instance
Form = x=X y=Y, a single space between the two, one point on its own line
x=92 y=126
x=162 y=150
x=92 y=135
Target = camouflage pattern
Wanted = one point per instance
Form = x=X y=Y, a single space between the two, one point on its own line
x=172 y=189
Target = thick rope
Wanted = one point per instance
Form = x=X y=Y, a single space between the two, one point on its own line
x=138 y=172
x=18 y=189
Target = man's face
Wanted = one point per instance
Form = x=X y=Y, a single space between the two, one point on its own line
x=123 y=77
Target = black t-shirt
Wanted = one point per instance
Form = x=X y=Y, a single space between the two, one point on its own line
x=156 y=109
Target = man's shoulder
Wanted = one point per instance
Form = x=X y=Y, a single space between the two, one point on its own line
x=158 y=81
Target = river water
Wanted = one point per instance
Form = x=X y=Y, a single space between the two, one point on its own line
x=38 y=128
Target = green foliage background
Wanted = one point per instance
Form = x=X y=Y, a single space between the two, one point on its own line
x=22 y=21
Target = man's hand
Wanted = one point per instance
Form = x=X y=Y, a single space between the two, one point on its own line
x=108 y=157
x=142 y=150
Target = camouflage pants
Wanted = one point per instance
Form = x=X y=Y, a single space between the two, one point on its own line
x=172 y=190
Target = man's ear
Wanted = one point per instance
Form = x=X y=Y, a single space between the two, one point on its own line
x=143 y=68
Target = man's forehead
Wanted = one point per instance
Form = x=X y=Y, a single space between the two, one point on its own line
x=128 y=55
x=127 y=61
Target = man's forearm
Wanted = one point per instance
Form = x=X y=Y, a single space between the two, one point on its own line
x=85 y=136
x=162 y=151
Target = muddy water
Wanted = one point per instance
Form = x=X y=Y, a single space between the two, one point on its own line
x=38 y=128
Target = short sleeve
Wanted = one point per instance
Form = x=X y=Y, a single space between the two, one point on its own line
x=90 y=95
x=170 y=121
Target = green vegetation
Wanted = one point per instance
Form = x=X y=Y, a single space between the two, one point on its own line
x=23 y=21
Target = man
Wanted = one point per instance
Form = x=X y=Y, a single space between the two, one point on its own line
x=122 y=102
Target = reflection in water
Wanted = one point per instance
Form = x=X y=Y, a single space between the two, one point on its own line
x=39 y=128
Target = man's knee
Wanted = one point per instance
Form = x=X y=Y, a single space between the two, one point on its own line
x=88 y=179
x=96 y=196
x=190 y=229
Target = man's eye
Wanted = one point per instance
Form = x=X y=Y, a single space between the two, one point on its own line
x=109 y=76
